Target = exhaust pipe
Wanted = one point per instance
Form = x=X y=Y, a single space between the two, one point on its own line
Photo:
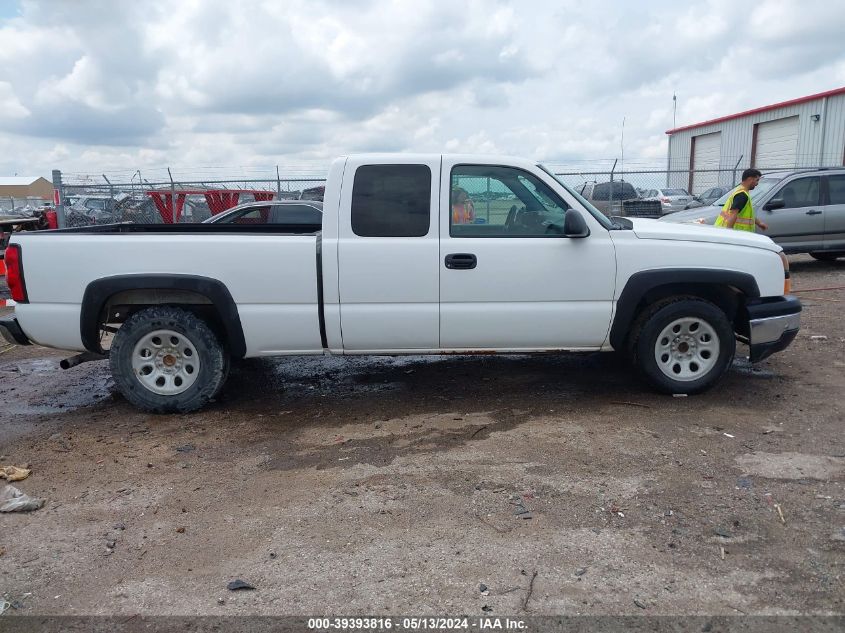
x=84 y=357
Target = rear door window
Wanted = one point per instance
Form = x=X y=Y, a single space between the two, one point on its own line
x=836 y=189
x=391 y=201
x=803 y=192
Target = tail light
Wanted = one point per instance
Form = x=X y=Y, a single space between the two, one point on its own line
x=14 y=274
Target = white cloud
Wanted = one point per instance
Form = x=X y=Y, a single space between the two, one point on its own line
x=10 y=105
x=89 y=85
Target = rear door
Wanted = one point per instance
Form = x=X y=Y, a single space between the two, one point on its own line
x=799 y=224
x=834 y=213
x=388 y=255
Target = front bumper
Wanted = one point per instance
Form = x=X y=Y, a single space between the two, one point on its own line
x=12 y=332
x=773 y=324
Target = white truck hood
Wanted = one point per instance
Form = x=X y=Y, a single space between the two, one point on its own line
x=654 y=230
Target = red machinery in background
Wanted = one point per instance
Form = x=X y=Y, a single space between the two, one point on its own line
x=218 y=200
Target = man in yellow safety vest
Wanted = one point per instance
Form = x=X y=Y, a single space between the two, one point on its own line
x=738 y=213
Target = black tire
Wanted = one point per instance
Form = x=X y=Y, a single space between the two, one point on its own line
x=826 y=257
x=651 y=323
x=212 y=357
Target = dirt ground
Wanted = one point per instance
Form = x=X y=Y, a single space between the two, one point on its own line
x=400 y=485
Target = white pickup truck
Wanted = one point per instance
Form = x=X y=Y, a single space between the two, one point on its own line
x=416 y=254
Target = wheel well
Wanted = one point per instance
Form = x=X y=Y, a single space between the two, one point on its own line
x=112 y=300
x=124 y=304
x=727 y=298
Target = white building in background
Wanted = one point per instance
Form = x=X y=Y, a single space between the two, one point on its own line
x=805 y=132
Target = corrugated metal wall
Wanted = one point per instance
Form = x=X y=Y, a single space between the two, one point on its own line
x=820 y=143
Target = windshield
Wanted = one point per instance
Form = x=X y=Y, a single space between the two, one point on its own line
x=762 y=187
x=598 y=215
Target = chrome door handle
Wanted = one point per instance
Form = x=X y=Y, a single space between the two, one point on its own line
x=813 y=212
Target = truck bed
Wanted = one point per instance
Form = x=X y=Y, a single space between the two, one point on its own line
x=271 y=272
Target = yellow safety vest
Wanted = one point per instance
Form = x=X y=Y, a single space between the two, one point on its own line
x=745 y=218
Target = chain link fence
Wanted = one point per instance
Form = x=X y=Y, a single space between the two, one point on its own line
x=175 y=202
x=692 y=181
x=89 y=203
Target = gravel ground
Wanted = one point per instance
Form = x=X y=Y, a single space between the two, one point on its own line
x=399 y=485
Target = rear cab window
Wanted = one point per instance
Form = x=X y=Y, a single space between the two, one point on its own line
x=391 y=201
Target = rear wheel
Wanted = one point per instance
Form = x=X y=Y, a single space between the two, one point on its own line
x=167 y=360
x=683 y=344
x=826 y=257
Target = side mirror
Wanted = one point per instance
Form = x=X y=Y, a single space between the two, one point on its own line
x=775 y=203
x=574 y=224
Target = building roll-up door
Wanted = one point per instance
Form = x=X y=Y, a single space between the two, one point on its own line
x=706 y=153
x=777 y=144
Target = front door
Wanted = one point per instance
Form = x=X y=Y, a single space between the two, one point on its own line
x=799 y=224
x=509 y=280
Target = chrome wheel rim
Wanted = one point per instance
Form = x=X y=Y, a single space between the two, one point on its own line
x=166 y=362
x=687 y=349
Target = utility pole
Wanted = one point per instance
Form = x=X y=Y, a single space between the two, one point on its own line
x=674 y=110
x=622 y=149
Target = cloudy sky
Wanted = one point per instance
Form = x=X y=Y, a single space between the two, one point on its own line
x=216 y=87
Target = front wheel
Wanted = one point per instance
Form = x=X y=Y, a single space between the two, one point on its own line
x=167 y=360
x=683 y=345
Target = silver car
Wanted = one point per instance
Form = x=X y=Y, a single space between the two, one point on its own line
x=671 y=200
x=804 y=210
x=305 y=213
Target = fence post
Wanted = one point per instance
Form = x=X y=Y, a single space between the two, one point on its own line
x=172 y=198
x=733 y=181
x=59 y=199
x=278 y=184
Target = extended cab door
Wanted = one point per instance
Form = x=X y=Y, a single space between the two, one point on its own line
x=509 y=280
x=387 y=253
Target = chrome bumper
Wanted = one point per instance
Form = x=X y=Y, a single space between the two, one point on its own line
x=768 y=330
x=772 y=326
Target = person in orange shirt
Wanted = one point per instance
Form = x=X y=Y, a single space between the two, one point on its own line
x=463 y=210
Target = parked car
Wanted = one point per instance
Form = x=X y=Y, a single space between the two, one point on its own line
x=708 y=197
x=281 y=212
x=804 y=209
x=314 y=193
x=671 y=200
x=619 y=198
x=395 y=270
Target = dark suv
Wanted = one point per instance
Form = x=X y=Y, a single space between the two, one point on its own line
x=619 y=198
